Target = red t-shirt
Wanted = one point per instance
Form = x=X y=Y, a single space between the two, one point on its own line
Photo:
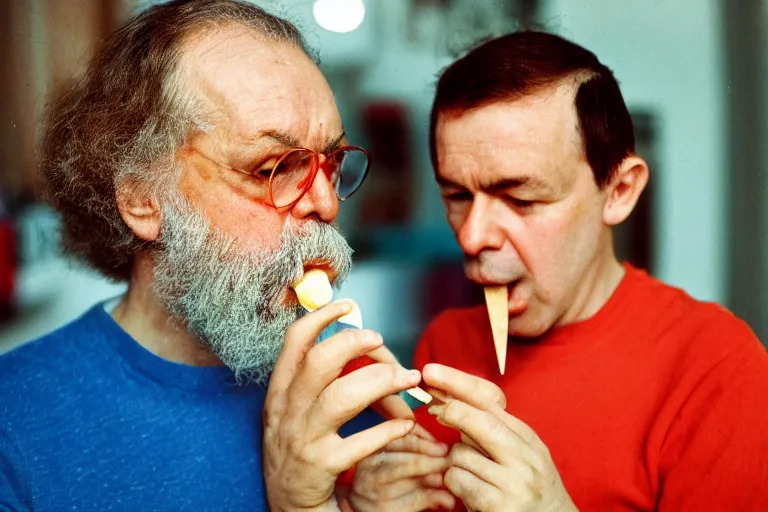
x=655 y=403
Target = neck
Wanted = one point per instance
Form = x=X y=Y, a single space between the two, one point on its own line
x=144 y=318
x=597 y=285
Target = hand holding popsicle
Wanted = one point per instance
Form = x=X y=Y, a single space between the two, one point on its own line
x=501 y=463
x=314 y=291
x=308 y=400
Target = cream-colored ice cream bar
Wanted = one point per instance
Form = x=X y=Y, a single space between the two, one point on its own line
x=314 y=291
x=420 y=395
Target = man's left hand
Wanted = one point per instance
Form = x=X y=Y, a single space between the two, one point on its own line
x=501 y=464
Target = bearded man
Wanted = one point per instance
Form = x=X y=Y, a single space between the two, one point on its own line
x=201 y=159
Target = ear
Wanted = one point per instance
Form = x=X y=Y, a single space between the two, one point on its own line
x=624 y=190
x=139 y=210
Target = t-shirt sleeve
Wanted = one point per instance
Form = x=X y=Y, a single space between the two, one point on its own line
x=15 y=494
x=715 y=456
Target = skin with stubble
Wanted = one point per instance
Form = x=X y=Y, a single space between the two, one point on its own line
x=527 y=212
x=522 y=200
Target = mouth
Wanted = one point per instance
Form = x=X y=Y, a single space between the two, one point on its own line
x=517 y=302
x=290 y=294
x=320 y=265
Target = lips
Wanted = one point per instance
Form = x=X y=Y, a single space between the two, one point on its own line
x=325 y=267
x=517 y=303
x=290 y=293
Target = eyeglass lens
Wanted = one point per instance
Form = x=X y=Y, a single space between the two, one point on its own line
x=346 y=170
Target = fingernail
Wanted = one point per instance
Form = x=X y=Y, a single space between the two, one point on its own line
x=436 y=410
x=408 y=377
x=344 y=306
x=408 y=426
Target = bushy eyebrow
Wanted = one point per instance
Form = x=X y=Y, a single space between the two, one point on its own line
x=289 y=141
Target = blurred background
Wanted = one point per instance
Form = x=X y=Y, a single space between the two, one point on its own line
x=694 y=74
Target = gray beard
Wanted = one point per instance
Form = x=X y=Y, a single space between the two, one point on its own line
x=233 y=301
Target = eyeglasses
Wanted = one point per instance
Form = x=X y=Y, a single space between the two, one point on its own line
x=295 y=171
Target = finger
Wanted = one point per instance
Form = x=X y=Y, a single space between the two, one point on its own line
x=476 y=493
x=470 y=442
x=437 y=395
x=325 y=361
x=435 y=481
x=422 y=432
x=346 y=397
x=372 y=487
x=468 y=458
x=392 y=407
x=426 y=499
x=468 y=388
x=299 y=338
x=489 y=433
x=412 y=443
x=342 y=454
x=383 y=355
x=392 y=467
x=415 y=501
x=479 y=393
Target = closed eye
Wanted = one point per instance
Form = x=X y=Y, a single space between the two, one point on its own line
x=260 y=173
x=262 y=170
x=521 y=203
x=457 y=196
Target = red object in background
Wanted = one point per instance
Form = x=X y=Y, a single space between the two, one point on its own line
x=389 y=190
x=7 y=263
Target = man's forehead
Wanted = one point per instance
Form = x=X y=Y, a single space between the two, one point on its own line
x=531 y=141
x=249 y=84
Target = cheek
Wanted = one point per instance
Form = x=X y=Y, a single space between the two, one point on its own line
x=557 y=242
x=256 y=227
x=254 y=224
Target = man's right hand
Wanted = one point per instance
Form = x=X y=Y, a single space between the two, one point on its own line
x=407 y=475
x=307 y=403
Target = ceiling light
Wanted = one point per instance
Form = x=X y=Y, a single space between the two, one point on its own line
x=339 y=15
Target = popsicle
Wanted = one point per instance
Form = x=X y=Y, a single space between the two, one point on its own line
x=314 y=291
x=496 y=298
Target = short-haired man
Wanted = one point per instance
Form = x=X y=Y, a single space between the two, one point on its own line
x=620 y=393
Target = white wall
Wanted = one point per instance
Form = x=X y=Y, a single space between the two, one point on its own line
x=55 y=294
x=668 y=55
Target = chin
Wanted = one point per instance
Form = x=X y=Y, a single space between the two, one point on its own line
x=529 y=325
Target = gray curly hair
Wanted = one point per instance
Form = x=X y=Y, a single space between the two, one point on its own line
x=123 y=120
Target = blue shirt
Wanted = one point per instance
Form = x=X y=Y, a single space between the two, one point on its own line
x=90 y=420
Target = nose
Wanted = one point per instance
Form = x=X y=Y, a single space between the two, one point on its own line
x=480 y=230
x=320 y=199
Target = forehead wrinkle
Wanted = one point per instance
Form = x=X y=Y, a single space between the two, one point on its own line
x=255 y=85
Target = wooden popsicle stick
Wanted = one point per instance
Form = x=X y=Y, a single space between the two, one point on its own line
x=496 y=298
x=420 y=395
x=383 y=355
